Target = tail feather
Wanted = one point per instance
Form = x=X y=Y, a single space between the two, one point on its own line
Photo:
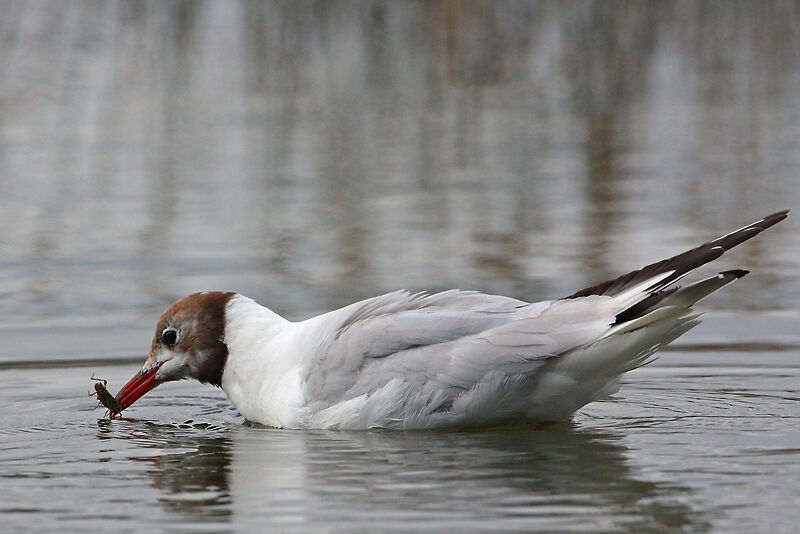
x=592 y=371
x=679 y=296
x=652 y=313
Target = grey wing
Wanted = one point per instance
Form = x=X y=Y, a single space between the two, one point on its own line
x=445 y=343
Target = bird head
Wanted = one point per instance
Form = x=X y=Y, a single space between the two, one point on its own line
x=189 y=342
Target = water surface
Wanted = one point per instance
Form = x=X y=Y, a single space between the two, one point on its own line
x=309 y=155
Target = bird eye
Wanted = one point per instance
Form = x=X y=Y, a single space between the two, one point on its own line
x=169 y=336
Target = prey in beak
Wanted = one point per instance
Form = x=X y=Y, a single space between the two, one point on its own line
x=141 y=383
x=188 y=343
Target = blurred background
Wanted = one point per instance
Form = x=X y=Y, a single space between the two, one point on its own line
x=310 y=154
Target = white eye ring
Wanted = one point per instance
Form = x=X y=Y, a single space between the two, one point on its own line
x=170 y=336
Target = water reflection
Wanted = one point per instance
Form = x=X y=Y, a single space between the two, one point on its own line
x=311 y=155
x=558 y=474
x=189 y=465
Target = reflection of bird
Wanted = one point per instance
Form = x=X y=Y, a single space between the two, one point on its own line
x=526 y=473
x=519 y=478
x=417 y=361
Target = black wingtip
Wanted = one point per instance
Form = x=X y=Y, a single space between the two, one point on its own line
x=738 y=273
x=774 y=218
x=685 y=262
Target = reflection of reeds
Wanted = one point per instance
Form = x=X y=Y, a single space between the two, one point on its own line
x=348 y=148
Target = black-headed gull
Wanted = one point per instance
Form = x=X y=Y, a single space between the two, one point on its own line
x=455 y=358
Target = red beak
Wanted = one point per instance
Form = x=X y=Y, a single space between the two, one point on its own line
x=137 y=386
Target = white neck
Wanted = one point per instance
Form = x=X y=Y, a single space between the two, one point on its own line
x=261 y=377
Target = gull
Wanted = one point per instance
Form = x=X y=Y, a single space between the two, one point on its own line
x=415 y=360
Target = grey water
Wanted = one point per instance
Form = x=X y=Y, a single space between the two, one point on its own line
x=312 y=154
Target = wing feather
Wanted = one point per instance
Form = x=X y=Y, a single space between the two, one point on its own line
x=417 y=360
x=681 y=264
x=450 y=346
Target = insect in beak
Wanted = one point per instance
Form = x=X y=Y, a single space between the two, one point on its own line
x=103 y=395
